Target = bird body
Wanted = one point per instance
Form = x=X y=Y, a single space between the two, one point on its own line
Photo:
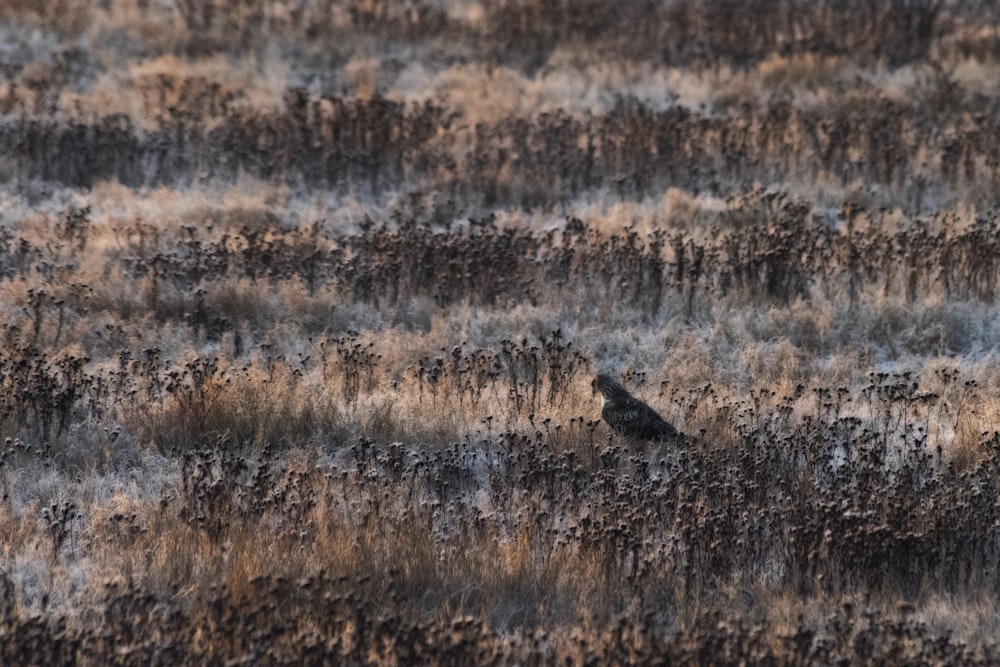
x=629 y=416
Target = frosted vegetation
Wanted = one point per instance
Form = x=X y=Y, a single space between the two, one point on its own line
x=302 y=301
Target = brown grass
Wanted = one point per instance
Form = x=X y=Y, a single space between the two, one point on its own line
x=301 y=303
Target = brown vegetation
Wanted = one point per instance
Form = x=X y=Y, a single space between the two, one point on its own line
x=302 y=302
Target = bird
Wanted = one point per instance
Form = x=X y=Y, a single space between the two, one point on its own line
x=629 y=416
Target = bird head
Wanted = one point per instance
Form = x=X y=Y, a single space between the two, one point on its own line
x=608 y=386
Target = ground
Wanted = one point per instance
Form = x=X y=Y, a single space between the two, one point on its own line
x=302 y=302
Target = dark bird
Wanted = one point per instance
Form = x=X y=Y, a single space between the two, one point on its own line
x=628 y=415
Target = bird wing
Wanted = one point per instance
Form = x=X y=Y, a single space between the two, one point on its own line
x=633 y=418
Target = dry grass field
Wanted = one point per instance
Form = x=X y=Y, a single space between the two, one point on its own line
x=301 y=303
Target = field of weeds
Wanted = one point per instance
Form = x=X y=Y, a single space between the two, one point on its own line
x=302 y=301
